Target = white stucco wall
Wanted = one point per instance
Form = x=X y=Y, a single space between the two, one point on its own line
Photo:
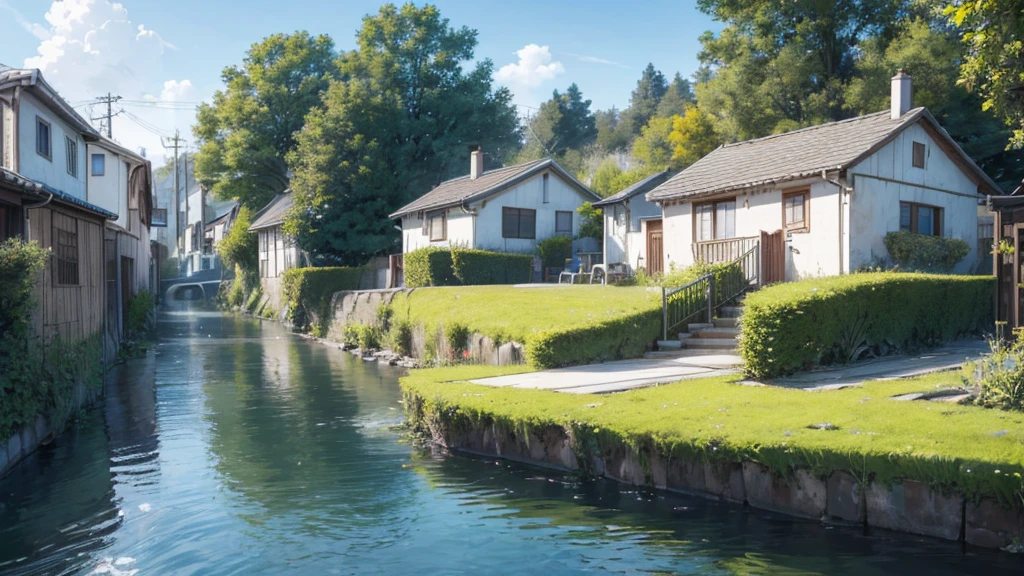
x=484 y=230
x=627 y=243
x=276 y=251
x=814 y=253
x=109 y=191
x=888 y=177
x=51 y=171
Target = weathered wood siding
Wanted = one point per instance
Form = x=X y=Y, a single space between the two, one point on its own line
x=71 y=312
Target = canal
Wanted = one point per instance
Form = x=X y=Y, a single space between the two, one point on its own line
x=238 y=448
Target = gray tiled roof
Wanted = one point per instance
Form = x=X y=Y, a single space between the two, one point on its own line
x=458 y=190
x=642 y=187
x=274 y=212
x=797 y=154
x=15 y=180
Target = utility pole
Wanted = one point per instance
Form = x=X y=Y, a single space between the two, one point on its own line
x=179 y=240
x=109 y=100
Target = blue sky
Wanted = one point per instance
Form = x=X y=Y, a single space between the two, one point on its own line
x=88 y=47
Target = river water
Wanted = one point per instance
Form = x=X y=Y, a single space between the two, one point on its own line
x=237 y=448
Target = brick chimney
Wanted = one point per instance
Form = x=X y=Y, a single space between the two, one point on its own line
x=476 y=164
x=901 y=100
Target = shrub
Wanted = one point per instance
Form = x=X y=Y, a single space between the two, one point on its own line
x=350 y=334
x=457 y=335
x=253 y=303
x=20 y=263
x=400 y=337
x=627 y=336
x=140 y=309
x=367 y=336
x=239 y=246
x=998 y=377
x=434 y=266
x=307 y=292
x=925 y=253
x=797 y=325
x=554 y=251
x=591 y=221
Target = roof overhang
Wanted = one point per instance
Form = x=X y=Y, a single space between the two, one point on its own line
x=12 y=180
x=33 y=81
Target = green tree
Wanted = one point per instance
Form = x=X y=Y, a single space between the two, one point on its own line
x=399 y=122
x=993 y=32
x=238 y=247
x=677 y=98
x=643 y=101
x=654 y=148
x=249 y=128
x=563 y=123
x=606 y=178
x=693 y=136
x=612 y=133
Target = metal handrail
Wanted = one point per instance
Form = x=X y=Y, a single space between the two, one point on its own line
x=703 y=297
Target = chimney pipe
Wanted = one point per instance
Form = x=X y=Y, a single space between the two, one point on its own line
x=901 y=99
x=476 y=164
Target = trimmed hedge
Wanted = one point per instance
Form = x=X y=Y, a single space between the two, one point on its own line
x=307 y=292
x=624 y=337
x=434 y=266
x=925 y=253
x=798 y=325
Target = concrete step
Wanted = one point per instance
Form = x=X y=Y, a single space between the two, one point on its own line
x=717 y=333
x=726 y=322
x=691 y=328
x=711 y=343
x=669 y=345
x=730 y=311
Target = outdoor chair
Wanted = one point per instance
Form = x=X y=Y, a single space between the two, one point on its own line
x=573 y=270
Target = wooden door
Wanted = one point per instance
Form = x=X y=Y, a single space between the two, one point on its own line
x=773 y=257
x=655 y=247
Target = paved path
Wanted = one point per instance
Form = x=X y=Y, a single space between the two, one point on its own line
x=621 y=375
x=673 y=367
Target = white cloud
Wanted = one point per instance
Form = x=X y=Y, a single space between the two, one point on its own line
x=34 y=29
x=596 y=60
x=535 y=67
x=90 y=48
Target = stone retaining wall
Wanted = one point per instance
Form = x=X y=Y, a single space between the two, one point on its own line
x=907 y=506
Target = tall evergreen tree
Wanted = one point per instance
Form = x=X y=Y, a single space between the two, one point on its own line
x=677 y=98
x=563 y=123
x=643 y=101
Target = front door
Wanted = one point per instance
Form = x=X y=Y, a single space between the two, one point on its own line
x=655 y=247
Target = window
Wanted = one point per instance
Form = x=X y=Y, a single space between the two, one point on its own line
x=65 y=251
x=99 y=164
x=920 y=219
x=438 y=225
x=796 y=211
x=518 y=223
x=43 y=138
x=714 y=220
x=919 y=151
x=10 y=221
x=547 y=196
x=71 y=149
x=563 y=223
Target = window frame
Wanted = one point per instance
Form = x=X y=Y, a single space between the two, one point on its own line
x=444 y=226
x=563 y=232
x=939 y=217
x=805 y=225
x=714 y=218
x=71 y=150
x=92 y=164
x=66 y=269
x=506 y=211
x=49 y=139
x=914 y=154
x=546 y=190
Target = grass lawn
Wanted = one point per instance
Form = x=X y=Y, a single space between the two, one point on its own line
x=506 y=313
x=974 y=451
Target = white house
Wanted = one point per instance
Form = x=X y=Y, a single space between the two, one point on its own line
x=632 y=226
x=830 y=192
x=506 y=209
x=196 y=211
x=277 y=252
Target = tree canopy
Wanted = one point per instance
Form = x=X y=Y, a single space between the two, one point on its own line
x=400 y=120
x=249 y=128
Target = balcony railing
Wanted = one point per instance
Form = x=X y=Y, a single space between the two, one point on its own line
x=727 y=250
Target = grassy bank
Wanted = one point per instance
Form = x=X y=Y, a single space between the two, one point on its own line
x=966 y=449
x=558 y=325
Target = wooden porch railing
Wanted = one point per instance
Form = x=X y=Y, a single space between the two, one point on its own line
x=715 y=251
x=698 y=300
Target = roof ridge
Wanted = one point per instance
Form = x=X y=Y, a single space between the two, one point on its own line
x=486 y=172
x=809 y=128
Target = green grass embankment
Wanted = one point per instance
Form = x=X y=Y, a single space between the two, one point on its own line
x=967 y=449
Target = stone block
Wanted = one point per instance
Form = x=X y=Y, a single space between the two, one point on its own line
x=558 y=449
x=989 y=525
x=510 y=353
x=725 y=480
x=845 y=503
x=801 y=495
x=686 y=476
x=913 y=507
x=658 y=470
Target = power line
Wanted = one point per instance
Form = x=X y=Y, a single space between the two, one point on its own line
x=109 y=100
x=146 y=124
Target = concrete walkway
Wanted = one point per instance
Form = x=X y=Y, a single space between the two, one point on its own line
x=621 y=375
x=675 y=366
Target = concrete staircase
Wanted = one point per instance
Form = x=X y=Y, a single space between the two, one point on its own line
x=720 y=335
